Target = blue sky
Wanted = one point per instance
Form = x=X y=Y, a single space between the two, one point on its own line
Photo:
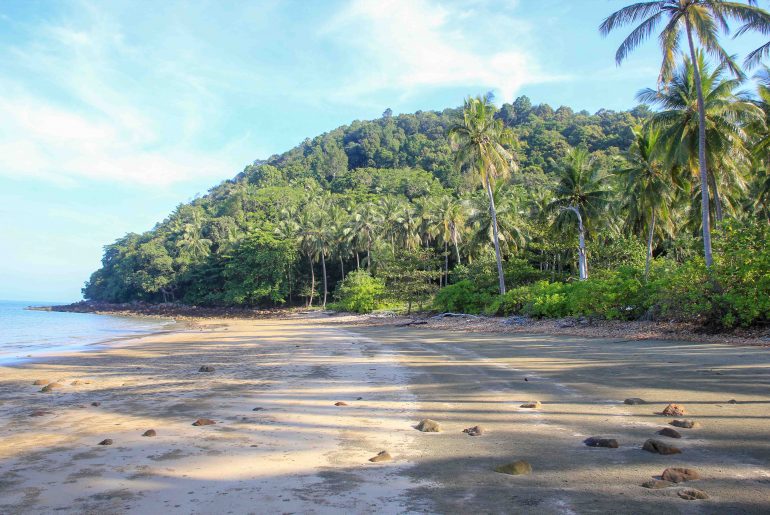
x=112 y=113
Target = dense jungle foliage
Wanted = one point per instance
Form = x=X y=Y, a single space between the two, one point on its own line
x=392 y=213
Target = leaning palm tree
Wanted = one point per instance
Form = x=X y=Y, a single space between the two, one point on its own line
x=480 y=143
x=648 y=187
x=582 y=191
x=694 y=19
x=727 y=114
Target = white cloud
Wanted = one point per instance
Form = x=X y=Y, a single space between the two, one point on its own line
x=411 y=44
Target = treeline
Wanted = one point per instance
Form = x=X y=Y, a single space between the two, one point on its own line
x=397 y=200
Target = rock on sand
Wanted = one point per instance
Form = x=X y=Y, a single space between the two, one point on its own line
x=150 y=432
x=692 y=494
x=532 y=405
x=39 y=413
x=671 y=433
x=381 y=456
x=203 y=422
x=597 y=441
x=659 y=447
x=673 y=410
x=686 y=424
x=41 y=382
x=634 y=401
x=106 y=441
x=516 y=468
x=340 y=403
x=206 y=368
x=680 y=475
x=474 y=431
x=50 y=387
x=428 y=426
x=656 y=484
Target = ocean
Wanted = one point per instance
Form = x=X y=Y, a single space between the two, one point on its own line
x=26 y=333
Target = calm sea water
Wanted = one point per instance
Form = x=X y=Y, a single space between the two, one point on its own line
x=25 y=333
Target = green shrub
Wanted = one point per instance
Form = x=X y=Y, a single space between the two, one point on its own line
x=360 y=293
x=462 y=297
x=547 y=300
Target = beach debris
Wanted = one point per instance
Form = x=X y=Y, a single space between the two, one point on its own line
x=203 y=422
x=50 y=387
x=340 y=403
x=679 y=475
x=732 y=401
x=516 y=468
x=258 y=408
x=427 y=425
x=106 y=441
x=686 y=424
x=673 y=410
x=41 y=382
x=692 y=494
x=634 y=401
x=525 y=379
x=597 y=441
x=671 y=433
x=150 y=432
x=359 y=398
x=96 y=404
x=40 y=413
x=659 y=447
x=206 y=368
x=532 y=405
x=656 y=484
x=381 y=456
x=474 y=431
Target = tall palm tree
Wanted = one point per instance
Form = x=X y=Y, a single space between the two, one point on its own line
x=727 y=114
x=648 y=187
x=450 y=221
x=479 y=143
x=582 y=191
x=695 y=19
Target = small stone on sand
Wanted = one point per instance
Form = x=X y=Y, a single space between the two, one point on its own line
x=50 y=387
x=516 y=468
x=656 y=484
x=692 y=494
x=732 y=401
x=258 y=409
x=673 y=410
x=41 y=382
x=428 y=426
x=680 y=475
x=96 y=403
x=596 y=441
x=203 y=422
x=659 y=447
x=686 y=424
x=340 y=403
x=671 y=433
x=474 y=431
x=381 y=456
x=150 y=432
x=106 y=442
x=532 y=405
x=39 y=413
x=634 y=401
x=206 y=368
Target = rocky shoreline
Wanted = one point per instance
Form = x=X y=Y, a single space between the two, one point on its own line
x=583 y=327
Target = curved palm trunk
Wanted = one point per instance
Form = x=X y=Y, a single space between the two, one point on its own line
x=649 y=245
x=704 y=183
x=312 y=282
x=493 y=214
x=323 y=267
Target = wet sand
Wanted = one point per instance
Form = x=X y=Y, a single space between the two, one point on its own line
x=302 y=454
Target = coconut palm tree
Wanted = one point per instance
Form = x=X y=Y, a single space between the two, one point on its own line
x=727 y=114
x=648 y=187
x=450 y=221
x=480 y=143
x=694 y=19
x=582 y=191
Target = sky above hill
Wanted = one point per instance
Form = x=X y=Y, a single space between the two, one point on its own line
x=111 y=113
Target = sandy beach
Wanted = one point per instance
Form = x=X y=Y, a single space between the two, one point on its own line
x=279 y=443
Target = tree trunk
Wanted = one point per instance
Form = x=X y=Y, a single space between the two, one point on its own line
x=446 y=264
x=493 y=214
x=323 y=267
x=358 y=262
x=342 y=268
x=582 y=263
x=704 y=185
x=312 y=282
x=718 y=214
x=369 y=254
x=649 y=245
x=457 y=247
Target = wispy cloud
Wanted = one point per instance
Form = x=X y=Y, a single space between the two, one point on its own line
x=406 y=45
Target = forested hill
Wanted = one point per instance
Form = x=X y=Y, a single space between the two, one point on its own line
x=351 y=198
